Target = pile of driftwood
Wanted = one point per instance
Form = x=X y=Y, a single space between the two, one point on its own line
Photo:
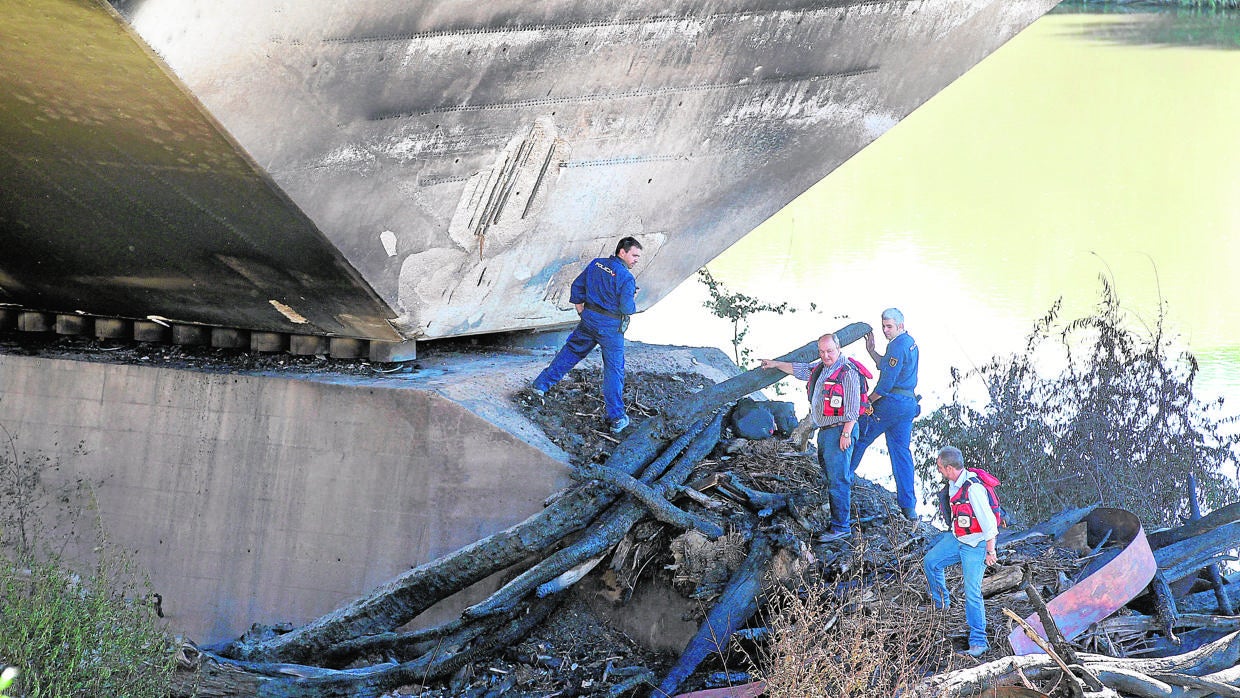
x=767 y=518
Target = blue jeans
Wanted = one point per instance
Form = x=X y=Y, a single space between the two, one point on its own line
x=599 y=330
x=946 y=552
x=893 y=416
x=836 y=468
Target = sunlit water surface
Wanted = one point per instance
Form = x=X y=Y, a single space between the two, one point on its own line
x=1091 y=144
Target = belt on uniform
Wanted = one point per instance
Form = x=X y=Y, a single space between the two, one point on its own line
x=608 y=313
x=903 y=391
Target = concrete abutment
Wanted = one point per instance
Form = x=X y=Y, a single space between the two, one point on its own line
x=269 y=499
x=253 y=498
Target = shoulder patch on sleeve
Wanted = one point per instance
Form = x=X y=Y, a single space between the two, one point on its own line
x=892 y=362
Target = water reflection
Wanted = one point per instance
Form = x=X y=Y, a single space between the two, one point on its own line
x=1059 y=159
x=1160 y=26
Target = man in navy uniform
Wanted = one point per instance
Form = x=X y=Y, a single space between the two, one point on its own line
x=895 y=406
x=603 y=294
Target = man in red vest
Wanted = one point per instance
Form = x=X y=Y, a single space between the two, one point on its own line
x=834 y=391
x=970 y=541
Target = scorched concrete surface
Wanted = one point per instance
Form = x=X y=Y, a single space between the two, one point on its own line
x=264 y=498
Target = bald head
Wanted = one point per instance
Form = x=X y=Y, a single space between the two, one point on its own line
x=828 y=349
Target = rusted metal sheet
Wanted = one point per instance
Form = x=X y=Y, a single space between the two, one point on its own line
x=1106 y=589
x=749 y=690
x=463 y=158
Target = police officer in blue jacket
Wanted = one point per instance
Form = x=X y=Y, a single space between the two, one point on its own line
x=895 y=406
x=603 y=294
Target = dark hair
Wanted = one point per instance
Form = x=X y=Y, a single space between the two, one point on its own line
x=626 y=244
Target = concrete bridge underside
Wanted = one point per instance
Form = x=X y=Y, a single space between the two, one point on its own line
x=417 y=170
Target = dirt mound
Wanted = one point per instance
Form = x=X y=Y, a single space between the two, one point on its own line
x=572 y=414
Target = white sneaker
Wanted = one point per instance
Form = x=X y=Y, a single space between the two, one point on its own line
x=620 y=424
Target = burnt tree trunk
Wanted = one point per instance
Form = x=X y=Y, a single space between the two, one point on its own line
x=735 y=607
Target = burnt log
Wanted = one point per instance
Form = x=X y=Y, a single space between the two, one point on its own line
x=1213 y=573
x=736 y=387
x=765 y=501
x=1164 y=606
x=654 y=501
x=1200 y=602
x=406 y=644
x=1213 y=665
x=735 y=607
x=1209 y=522
x=1076 y=687
x=602 y=535
x=1054 y=527
x=212 y=675
x=1001 y=578
x=401 y=600
x=1053 y=635
x=1187 y=556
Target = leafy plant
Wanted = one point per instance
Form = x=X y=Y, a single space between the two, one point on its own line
x=1096 y=410
x=88 y=634
x=737 y=308
x=6 y=679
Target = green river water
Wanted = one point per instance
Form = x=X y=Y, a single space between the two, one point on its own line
x=1091 y=144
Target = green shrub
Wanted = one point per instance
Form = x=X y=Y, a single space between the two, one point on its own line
x=1097 y=410
x=70 y=636
x=737 y=308
x=80 y=637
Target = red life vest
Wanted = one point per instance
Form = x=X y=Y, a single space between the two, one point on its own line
x=833 y=388
x=963 y=519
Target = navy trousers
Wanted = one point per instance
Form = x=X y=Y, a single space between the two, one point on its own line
x=595 y=329
x=893 y=416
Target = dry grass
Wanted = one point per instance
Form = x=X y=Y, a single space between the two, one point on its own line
x=861 y=636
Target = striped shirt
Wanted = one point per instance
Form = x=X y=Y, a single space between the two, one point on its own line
x=852 y=392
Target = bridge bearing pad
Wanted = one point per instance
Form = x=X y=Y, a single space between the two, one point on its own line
x=392 y=352
x=306 y=345
x=148 y=331
x=74 y=325
x=113 y=328
x=30 y=321
x=191 y=335
x=229 y=338
x=346 y=348
x=268 y=341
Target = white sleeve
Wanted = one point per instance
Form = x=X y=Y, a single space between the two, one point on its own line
x=980 y=501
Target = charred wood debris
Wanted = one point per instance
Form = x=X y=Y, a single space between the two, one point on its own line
x=732 y=523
